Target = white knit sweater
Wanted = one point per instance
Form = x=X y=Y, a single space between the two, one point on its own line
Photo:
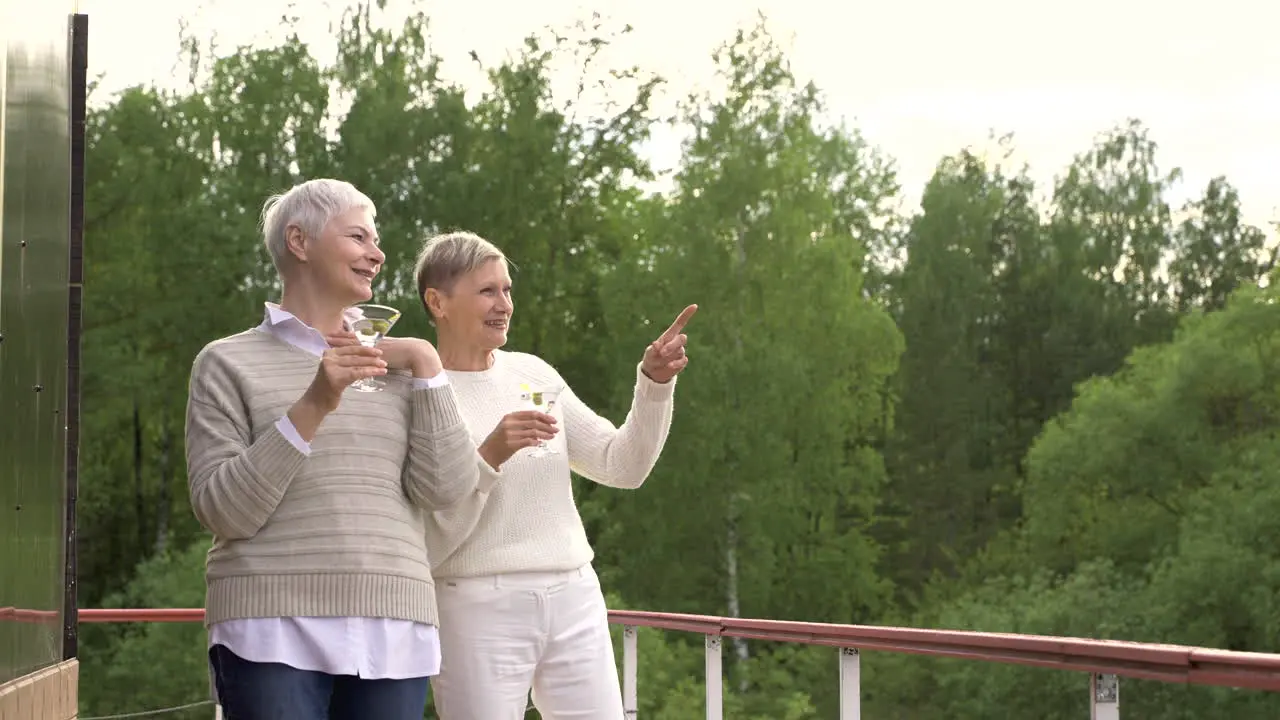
x=523 y=518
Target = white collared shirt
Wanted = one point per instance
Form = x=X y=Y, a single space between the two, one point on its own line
x=370 y=648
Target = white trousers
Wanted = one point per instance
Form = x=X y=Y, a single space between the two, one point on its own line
x=502 y=635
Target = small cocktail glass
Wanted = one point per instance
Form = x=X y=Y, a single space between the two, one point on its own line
x=543 y=399
x=371 y=325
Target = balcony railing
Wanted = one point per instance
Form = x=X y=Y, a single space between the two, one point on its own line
x=1105 y=661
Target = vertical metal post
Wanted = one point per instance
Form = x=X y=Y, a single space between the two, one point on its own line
x=79 y=68
x=1104 y=700
x=629 y=704
x=850 y=684
x=715 y=680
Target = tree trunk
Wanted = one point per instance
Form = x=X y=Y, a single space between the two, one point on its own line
x=166 y=484
x=731 y=587
x=733 y=601
x=139 y=492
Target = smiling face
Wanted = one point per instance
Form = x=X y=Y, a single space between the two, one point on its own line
x=343 y=261
x=477 y=311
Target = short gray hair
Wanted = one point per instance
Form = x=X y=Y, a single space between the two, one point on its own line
x=309 y=206
x=447 y=257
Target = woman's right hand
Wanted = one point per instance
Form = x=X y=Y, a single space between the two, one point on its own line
x=516 y=431
x=339 y=367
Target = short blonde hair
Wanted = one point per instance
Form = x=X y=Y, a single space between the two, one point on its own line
x=308 y=206
x=447 y=257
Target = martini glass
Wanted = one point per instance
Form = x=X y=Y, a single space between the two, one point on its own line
x=373 y=323
x=543 y=399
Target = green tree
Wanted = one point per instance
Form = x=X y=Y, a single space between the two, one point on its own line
x=976 y=261
x=151 y=232
x=150 y=665
x=1217 y=251
x=1150 y=513
x=768 y=484
x=1111 y=219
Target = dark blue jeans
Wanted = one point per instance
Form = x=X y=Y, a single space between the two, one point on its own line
x=272 y=691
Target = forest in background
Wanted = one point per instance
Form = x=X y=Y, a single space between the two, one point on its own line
x=1046 y=410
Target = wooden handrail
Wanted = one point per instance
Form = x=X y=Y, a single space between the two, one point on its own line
x=1166 y=663
x=16 y=614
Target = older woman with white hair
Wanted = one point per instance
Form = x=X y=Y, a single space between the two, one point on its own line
x=320 y=601
x=520 y=605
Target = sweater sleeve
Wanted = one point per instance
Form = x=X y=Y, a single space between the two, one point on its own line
x=620 y=457
x=235 y=480
x=440 y=471
x=448 y=529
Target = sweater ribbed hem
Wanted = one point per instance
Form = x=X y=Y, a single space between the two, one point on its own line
x=651 y=391
x=435 y=408
x=321 y=595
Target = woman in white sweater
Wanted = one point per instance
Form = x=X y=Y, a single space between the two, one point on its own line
x=520 y=606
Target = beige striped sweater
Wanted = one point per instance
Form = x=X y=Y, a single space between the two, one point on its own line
x=338 y=533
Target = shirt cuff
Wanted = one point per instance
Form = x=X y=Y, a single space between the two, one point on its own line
x=290 y=433
x=439 y=380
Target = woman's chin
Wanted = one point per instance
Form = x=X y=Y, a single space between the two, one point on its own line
x=495 y=339
x=361 y=294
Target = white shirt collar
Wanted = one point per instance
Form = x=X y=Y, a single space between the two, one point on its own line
x=287 y=327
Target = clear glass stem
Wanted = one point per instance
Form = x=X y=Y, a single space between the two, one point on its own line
x=542 y=447
x=369 y=384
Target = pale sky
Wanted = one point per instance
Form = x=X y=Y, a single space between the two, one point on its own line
x=920 y=78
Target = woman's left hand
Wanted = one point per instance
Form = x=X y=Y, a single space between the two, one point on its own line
x=413 y=354
x=666 y=357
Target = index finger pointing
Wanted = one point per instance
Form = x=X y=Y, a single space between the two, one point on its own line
x=683 y=319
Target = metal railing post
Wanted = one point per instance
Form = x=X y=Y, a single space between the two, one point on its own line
x=850 y=684
x=1104 y=697
x=715 y=679
x=629 y=704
